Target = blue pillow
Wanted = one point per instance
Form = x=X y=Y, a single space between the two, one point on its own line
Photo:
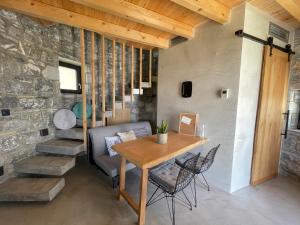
x=110 y=141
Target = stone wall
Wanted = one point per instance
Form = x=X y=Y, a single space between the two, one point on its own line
x=27 y=50
x=290 y=152
x=29 y=87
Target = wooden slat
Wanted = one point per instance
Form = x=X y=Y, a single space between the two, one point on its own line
x=93 y=81
x=211 y=9
x=150 y=68
x=59 y=15
x=140 y=15
x=291 y=6
x=275 y=10
x=83 y=83
x=103 y=79
x=122 y=116
x=123 y=75
x=114 y=79
x=132 y=72
x=141 y=70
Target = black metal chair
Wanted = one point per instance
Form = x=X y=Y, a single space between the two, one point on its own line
x=203 y=164
x=172 y=179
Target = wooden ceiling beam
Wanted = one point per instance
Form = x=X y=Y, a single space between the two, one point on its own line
x=291 y=6
x=59 y=15
x=211 y=9
x=140 y=15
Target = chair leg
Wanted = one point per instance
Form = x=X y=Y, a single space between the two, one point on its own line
x=195 y=192
x=149 y=201
x=207 y=185
x=188 y=200
x=173 y=211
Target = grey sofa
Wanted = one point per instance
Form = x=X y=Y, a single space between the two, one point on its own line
x=98 y=154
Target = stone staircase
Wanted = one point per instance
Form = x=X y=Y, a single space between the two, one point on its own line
x=55 y=158
x=60 y=147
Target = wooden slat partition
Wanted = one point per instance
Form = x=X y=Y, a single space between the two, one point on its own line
x=84 y=123
x=93 y=81
x=132 y=72
x=150 y=68
x=103 y=79
x=114 y=79
x=123 y=75
x=141 y=70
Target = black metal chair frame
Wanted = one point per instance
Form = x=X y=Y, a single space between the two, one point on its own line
x=184 y=178
x=205 y=164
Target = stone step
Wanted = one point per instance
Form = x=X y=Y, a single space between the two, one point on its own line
x=61 y=147
x=31 y=189
x=72 y=134
x=45 y=165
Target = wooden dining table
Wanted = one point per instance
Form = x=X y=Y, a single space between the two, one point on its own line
x=146 y=153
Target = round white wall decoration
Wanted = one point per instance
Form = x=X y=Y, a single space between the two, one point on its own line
x=64 y=119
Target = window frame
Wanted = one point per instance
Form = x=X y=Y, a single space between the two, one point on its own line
x=78 y=77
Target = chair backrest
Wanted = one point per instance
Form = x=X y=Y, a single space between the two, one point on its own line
x=208 y=160
x=186 y=173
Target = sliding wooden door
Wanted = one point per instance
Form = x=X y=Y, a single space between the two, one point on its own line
x=269 y=122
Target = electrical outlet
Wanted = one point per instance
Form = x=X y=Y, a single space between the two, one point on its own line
x=5 y=112
x=1 y=170
x=44 y=132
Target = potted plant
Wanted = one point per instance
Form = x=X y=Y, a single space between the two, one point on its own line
x=162 y=133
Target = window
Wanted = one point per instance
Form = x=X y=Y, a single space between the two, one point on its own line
x=69 y=78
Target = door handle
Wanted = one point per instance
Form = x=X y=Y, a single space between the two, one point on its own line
x=287 y=115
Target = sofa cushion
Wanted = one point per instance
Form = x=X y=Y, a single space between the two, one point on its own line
x=127 y=136
x=97 y=145
x=141 y=132
x=111 y=165
x=165 y=175
x=110 y=141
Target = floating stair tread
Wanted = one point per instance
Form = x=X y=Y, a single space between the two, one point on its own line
x=45 y=165
x=31 y=189
x=61 y=147
x=72 y=134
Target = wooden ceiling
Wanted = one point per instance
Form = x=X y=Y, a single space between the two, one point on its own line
x=150 y=23
x=275 y=9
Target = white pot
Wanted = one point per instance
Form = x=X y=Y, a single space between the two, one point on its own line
x=162 y=138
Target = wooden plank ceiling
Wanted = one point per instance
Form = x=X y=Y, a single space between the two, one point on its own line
x=151 y=23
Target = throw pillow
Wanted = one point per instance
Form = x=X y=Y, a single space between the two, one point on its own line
x=127 y=136
x=110 y=141
x=141 y=132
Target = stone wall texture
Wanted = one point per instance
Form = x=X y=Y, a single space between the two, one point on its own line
x=29 y=86
x=290 y=151
x=26 y=50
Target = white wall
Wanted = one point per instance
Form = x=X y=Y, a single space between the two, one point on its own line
x=257 y=24
x=211 y=61
x=217 y=59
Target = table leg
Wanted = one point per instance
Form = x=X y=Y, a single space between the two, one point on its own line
x=143 y=197
x=122 y=175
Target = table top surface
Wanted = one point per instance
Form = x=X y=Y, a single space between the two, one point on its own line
x=146 y=152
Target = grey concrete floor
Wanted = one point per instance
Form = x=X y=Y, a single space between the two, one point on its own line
x=88 y=199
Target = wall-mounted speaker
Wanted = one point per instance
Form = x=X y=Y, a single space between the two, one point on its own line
x=186 y=89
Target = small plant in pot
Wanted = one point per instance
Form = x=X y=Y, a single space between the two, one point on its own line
x=162 y=133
